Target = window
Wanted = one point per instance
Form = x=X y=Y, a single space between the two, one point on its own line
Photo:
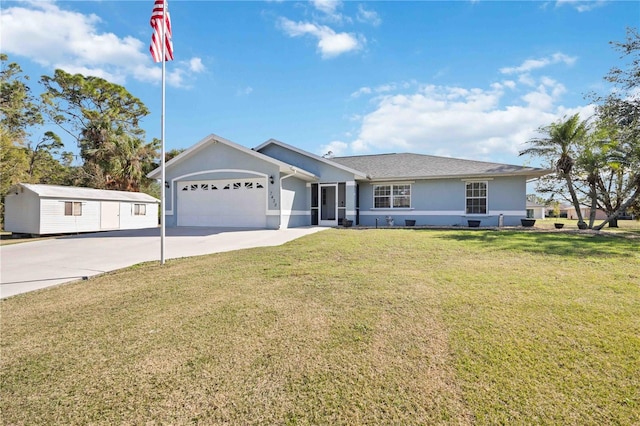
x=72 y=208
x=139 y=209
x=392 y=196
x=476 y=196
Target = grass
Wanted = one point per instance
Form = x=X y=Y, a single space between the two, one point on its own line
x=625 y=227
x=340 y=327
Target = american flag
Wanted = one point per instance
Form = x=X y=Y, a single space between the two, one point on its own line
x=156 y=39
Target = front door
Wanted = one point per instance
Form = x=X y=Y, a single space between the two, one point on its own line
x=328 y=205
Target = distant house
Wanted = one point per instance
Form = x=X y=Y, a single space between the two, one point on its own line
x=53 y=209
x=275 y=185
x=568 y=211
x=535 y=210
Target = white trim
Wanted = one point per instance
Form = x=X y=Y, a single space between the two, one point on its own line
x=392 y=182
x=273 y=212
x=409 y=212
x=351 y=183
x=335 y=205
x=351 y=212
x=476 y=179
x=486 y=197
x=507 y=212
x=378 y=212
x=391 y=196
x=296 y=213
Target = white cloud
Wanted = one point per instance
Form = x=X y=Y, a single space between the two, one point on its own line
x=582 y=5
x=368 y=16
x=329 y=10
x=492 y=123
x=327 y=6
x=245 y=91
x=54 y=37
x=361 y=91
x=383 y=88
x=532 y=64
x=334 y=148
x=196 y=65
x=330 y=43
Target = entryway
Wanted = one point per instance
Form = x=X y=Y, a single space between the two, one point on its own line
x=328 y=205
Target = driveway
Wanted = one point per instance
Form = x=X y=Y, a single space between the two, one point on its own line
x=34 y=265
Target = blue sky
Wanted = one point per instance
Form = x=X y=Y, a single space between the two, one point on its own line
x=469 y=79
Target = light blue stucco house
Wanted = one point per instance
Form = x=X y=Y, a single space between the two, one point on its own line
x=275 y=185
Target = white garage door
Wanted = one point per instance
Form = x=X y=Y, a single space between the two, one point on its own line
x=227 y=203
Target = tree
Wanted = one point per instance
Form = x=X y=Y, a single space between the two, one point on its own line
x=619 y=110
x=19 y=109
x=599 y=166
x=20 y=159
x=559 y=144
x=104 y=119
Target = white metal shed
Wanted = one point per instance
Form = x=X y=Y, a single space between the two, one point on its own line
x=54 y=209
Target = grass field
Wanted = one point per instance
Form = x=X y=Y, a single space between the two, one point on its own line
x=340 y=327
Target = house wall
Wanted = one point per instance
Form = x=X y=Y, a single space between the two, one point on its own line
x=538 y=212
x=220 y=161
x=295 y=208
x=442 y=202
x=325 y=172
x=53 y=220
x=571 y=213
x=21 y=213
x=130 y=221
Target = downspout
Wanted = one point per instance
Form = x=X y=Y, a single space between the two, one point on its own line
x=280 y=193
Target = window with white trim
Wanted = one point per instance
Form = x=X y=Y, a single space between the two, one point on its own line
x=476 y=198
x=72 y=208
x=139 y=209
x=392 y=196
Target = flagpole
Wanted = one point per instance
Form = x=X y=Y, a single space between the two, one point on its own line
x=162 y=151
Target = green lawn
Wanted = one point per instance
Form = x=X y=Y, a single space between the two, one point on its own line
x=340 y=327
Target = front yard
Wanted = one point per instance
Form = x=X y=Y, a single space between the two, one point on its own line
x=340 y=327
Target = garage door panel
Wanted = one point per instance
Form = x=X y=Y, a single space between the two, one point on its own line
x=224 y=203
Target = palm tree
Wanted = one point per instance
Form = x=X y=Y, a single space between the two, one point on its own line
x=130 y=160
x=559 y=145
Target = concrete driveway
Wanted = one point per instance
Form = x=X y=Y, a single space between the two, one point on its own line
x=34 y=265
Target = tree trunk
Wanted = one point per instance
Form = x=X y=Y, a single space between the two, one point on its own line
x=574 y=198
x=594 y=205
x=620 y=209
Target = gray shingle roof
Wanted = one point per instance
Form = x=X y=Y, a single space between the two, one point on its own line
x=420 y=166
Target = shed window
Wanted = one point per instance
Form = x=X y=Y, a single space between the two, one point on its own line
x=476 y=197
x=392 y=196
x=139 y=209
x=72 y=208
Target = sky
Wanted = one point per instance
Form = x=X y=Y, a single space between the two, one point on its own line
x=467 y=79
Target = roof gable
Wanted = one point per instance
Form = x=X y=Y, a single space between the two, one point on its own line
x=357 y=173
x=213 y=139
x=420 y=166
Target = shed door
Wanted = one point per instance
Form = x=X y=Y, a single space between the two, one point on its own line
x=238 y=203
x=109 y=215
